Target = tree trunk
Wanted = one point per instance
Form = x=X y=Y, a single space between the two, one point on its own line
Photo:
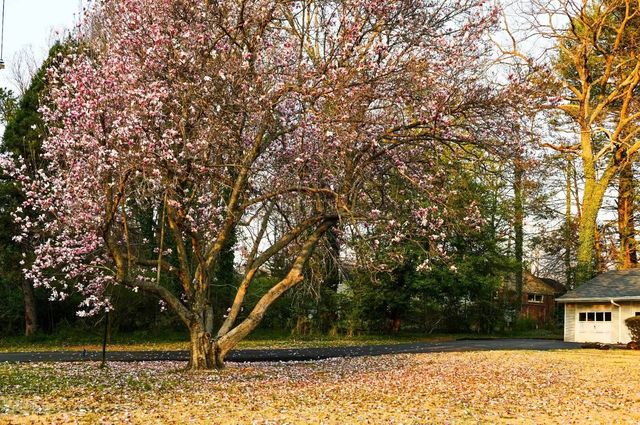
x=587 y=239
x=518 y=226
x=208 y=320
x=203 y=347
x=628 y=257
x=30 y=315
x=224 y=343
x=395 y=325
x=568 y=227
x=599 y=260
x=594 y=189
x=202 y=352
x=229 y=340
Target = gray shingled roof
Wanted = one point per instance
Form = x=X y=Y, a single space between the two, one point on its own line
x=621 y=285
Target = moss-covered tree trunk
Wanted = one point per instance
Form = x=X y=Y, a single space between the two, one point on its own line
x=592 y=202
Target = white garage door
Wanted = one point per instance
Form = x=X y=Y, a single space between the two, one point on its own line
x=593 y=326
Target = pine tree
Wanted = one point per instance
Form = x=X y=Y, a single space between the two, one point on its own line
x=23 y=137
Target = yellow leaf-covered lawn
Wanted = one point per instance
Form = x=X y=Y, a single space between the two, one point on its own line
x=582 y=386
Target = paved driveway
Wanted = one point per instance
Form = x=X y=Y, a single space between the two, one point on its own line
x=301 y=354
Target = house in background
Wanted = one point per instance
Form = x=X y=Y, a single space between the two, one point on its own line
x=538 y=298
x=596 y=310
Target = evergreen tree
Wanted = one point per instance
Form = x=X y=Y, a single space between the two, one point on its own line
x=23 y=137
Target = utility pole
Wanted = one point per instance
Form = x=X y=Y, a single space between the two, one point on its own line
x=2 y=65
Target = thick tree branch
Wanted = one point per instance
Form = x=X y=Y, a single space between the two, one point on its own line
x=292 y=278
x=254 y=266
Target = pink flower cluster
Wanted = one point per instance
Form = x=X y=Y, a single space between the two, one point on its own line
x=174 y=107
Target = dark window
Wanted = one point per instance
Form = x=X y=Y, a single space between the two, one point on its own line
x=535 y=298
x=637 y=313
x=595 y=316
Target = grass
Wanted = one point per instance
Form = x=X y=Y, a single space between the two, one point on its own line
x=77 y=341
x=564 y=387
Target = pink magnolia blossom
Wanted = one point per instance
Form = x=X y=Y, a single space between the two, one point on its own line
x=214 y=116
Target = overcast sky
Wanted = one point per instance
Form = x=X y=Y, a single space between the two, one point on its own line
x=34 y=25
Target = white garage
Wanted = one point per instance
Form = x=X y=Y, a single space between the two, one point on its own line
x=593 y=326
x=596 y=310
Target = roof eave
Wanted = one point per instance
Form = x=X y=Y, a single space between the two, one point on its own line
x=601 y=300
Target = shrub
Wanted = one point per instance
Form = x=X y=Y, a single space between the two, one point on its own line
x=525 y=324
x=633 y=323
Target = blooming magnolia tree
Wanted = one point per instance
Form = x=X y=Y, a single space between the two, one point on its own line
x=219 y=117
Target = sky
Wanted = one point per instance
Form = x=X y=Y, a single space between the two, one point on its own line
x=33 y=25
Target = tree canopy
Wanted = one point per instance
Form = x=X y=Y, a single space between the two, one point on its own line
x=224 y=117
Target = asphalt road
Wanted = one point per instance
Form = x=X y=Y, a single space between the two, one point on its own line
x=299 y=354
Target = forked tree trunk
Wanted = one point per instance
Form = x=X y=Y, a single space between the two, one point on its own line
x=203 y=348
x=225 y=342
x=202 y=351
x=228 y=341
x=207 y=352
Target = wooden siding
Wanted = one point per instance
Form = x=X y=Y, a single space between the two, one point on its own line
x=619 y=331
x=570 y=318
x=540 y=312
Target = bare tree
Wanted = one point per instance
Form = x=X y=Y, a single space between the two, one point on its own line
x=22 y=68
x=596 y=69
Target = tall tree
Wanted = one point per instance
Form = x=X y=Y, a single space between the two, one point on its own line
x=23 y=137
x=11 y=309
x=598 y=66
x=229 y=114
